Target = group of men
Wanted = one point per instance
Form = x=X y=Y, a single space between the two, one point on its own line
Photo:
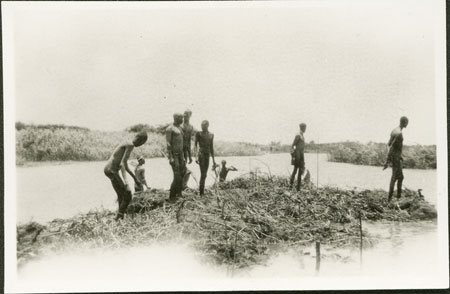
x=178 y=139
x=394 y=157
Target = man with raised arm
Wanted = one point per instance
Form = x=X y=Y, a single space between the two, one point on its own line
x=224 y=169
x=119 y=161
x=394 y=156
x=205 y=140
x=174 y=139
x=298 y=156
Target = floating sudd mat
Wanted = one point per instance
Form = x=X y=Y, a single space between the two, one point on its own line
x=236 y=222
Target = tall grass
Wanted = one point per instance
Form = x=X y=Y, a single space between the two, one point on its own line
x=34 y=144
x=417 y=156
x=222 y=148
x=62 y=144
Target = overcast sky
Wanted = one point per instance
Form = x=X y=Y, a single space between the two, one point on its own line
x=348 y=72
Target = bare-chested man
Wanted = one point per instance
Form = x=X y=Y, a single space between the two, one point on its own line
x=174 y=138
x=119 y=161
x=395 y=157
x=139 y=172
x=205 y=140
x=224 y=169
x=188 y=130
x=298 y=156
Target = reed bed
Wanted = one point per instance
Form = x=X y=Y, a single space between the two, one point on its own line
x=414 y=156
x=64 y=144
x=236 y=223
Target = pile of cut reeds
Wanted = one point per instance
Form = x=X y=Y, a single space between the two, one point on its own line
x=237 y=222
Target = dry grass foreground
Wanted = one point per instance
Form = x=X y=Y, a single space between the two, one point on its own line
x=237 y=223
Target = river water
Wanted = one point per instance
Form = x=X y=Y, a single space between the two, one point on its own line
x=46 y=192
x=405 y=252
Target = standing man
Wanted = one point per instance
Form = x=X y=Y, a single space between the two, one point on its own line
x=205 y=140
x=174 y=139
x=140 y=175
x=297 y=156
x=395 y=157
x=119 y=161
x=188 y=130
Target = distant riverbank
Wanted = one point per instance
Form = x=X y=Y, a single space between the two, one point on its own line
x=417 y=156
x=58 y=143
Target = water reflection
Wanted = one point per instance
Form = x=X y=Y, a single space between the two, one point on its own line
x=402 y=249
x=396 y=241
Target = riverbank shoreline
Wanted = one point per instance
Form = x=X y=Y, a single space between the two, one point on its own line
x=236 y=223
x=59 y=143
x=68 y=162
x=24 y=164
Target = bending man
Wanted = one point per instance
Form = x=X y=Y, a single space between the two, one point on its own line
x=119 y=161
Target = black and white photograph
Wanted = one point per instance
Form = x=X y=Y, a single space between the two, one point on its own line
x=225 y=145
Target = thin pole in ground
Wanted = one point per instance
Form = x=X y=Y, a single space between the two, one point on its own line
x=234 y=252
x=360 y=240
x=317 y=257
x=317 y=153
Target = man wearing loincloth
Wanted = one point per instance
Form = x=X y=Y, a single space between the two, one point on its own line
x=394 y=156
x=119 y=161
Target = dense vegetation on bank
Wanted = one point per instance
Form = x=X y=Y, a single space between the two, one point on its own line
x=236 y=223
x=62 y=143
x=417 y=156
